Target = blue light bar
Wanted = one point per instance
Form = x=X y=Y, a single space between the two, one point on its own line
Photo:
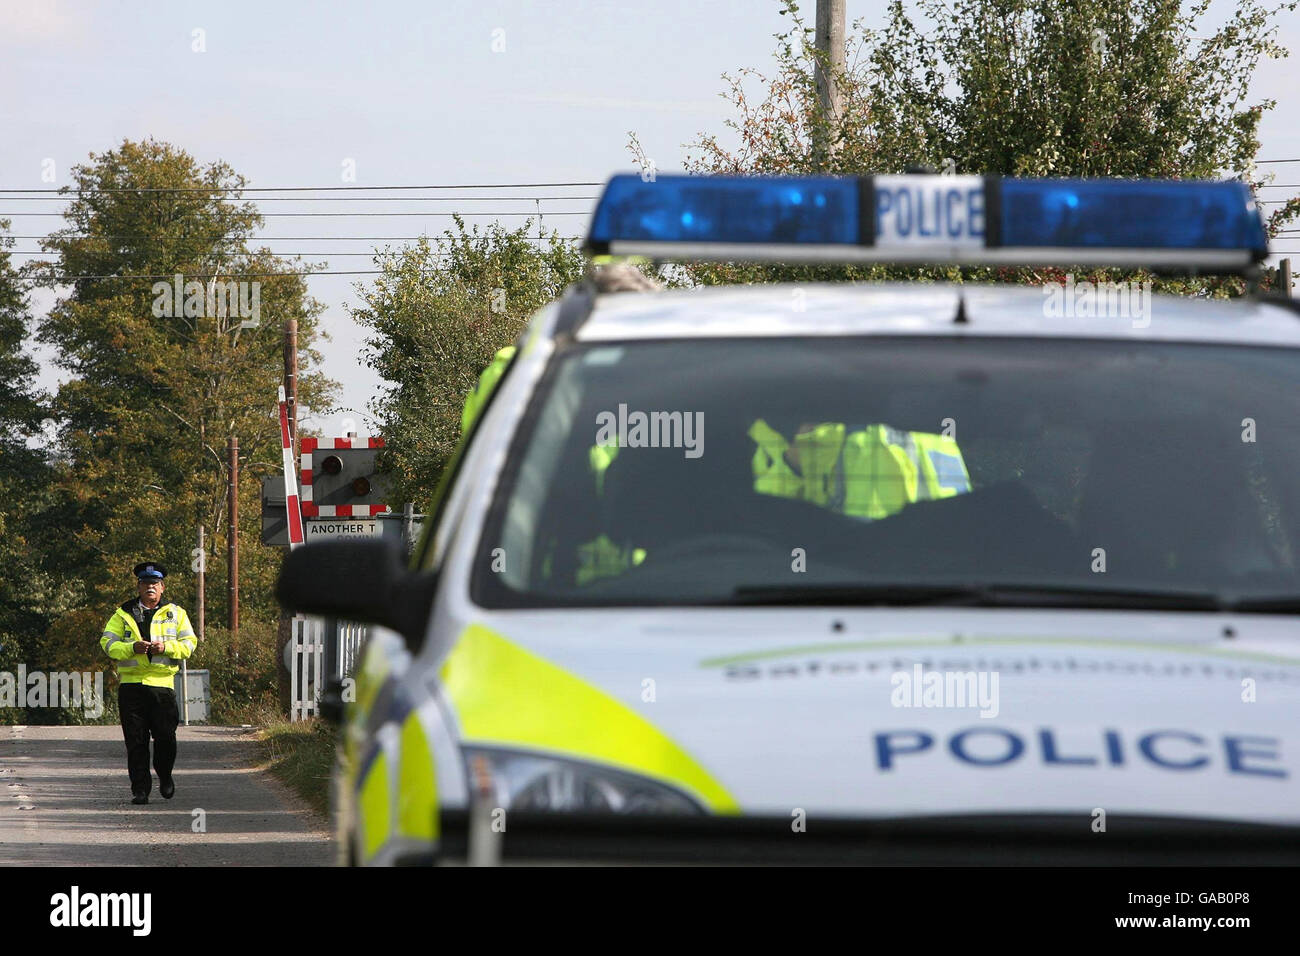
x=1108 y=213
x=728 y=208
x=966 y=220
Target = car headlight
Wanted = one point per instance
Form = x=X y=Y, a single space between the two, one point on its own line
x=516 y=780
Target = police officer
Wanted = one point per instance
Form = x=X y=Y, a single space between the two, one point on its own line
x=147 y=640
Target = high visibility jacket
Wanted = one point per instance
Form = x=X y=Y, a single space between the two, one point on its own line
x=170 y=624
x=487 y=381
x=869 y=472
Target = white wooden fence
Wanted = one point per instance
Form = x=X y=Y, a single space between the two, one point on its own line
x=308 y=657
x=351 y=637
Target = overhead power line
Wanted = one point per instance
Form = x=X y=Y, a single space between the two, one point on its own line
x=341 y=215
x=317 y=254
x=68 y=280
x=57 y=191
x=274 y=238
x=351 y=198
x=287 y=189
x=293 y=215
x=240 y=244
x=282 y=255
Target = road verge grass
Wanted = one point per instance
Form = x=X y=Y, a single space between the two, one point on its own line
x=301 y=754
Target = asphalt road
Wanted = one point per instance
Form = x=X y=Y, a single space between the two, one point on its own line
x=65 y=800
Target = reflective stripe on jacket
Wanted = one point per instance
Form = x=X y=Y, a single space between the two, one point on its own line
x=170 y=624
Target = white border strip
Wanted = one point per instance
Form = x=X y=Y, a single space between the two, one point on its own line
x=941 y=255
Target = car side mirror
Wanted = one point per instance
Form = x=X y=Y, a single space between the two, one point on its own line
x=363 y=581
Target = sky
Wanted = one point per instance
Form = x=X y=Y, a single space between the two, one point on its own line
x=401 y=92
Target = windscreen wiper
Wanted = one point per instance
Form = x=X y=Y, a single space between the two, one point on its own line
x=852 y=594
x=904 y=594
x=1268 y=604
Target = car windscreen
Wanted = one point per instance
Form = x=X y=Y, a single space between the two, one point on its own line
x=741 y=470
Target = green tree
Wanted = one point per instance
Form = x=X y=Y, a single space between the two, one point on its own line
x=436 y=318
x=160 y=382
x=1123 y=88
x=21 y=408
x=25 y=588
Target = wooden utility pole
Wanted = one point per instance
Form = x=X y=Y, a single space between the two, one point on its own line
x=291 y=380
x=829 y=40
x=232 y=506
x=1286 y=277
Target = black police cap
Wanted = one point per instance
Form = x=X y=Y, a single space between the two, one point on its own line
x=150 y=569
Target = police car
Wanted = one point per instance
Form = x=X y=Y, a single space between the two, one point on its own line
x=854 y=572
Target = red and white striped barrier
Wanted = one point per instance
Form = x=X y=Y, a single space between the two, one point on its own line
x=290 y=488
x=312 y=510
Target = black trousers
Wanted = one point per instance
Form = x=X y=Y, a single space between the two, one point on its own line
x=148 y=710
